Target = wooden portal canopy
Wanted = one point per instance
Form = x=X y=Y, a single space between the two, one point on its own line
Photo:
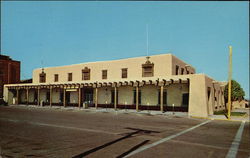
x=133 y=83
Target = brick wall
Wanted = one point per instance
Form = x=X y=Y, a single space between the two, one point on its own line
x=9 y=72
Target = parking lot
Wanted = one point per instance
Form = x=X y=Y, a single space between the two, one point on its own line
x=49 y=132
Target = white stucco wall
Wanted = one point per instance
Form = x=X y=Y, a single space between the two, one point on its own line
x=104 y=95
x=174 y=93
x=149 y=95
x=126 y=94
x=56 y=95
x=43 y=95
x=162 y=68
x=74 y=97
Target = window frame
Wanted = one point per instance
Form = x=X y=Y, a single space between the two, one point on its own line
x=177 y=69
x=124 y=72
x=70 y=76
x=104 y=74
x=42 y=77
x=182 y=71
x=148 y=73
x=56 y=77
x=86 y=73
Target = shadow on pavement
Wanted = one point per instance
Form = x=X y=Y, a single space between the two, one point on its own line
x=132 y=149
x=128 y=135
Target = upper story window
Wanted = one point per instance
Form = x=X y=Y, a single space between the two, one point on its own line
x=125 y=73
x=176 y=69
x=148 y=69
x=42 y=77
x=104 y=74
x=182 y=71
x=86 y=73
x=56 y=78
x=70 y=76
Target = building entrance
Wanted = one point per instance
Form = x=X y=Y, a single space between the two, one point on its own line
x=185 y=99
x=88 y=96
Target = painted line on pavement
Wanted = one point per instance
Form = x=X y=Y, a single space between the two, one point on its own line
x=61 y=126
x=236 y=142
x=166 y=139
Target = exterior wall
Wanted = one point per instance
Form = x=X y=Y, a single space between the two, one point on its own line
x=210 y=99
x=175 y=61
x=23 y=96
x=162 y=68
x=10 y=97
x=174 y=94
x=198 y=96
x=9 y=72
x=218 y=93
x=104 y=95
x=125 y=95
x=74 y=97
x=239 y=104
x=202 y=104
x=43 y=95
x=149 y=95
x=56 y=95
x=32 y=95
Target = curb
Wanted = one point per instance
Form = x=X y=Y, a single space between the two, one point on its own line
x=94 y=110
x=219 y=119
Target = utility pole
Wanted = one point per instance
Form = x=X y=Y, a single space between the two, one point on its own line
x=229 y=82
x=147 y=40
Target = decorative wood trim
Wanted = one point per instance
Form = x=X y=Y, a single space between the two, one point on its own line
x=86 y=71
x=148 y=65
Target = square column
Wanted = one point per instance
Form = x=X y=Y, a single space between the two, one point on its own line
x=115 y=105
x=137 y=98
x=27 y=95
x=79 y=97
x=161 y=98
x=64 y=97
x=38 y=96
x=96 y=97
x=50 y=96
x=17 y=94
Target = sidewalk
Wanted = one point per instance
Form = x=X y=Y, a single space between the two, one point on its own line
x=108 y=110
x=145 y=112
x=169 y=114
x=245 y=118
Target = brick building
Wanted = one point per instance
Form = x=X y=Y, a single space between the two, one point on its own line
x=9 y=72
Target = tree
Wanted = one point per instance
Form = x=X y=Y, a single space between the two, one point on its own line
x=237 y=92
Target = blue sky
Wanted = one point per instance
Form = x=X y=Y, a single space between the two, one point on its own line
x=44 y=34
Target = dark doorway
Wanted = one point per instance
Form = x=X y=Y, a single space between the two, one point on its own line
x=208 y=92
x=185 y=99
x=47 y=97
x=61 y=97
x=139 y=97
x=88 y=96
x=67 y=97
x=35 y=96
x=164 y=97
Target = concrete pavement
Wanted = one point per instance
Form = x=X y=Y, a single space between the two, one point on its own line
x=54 y=132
